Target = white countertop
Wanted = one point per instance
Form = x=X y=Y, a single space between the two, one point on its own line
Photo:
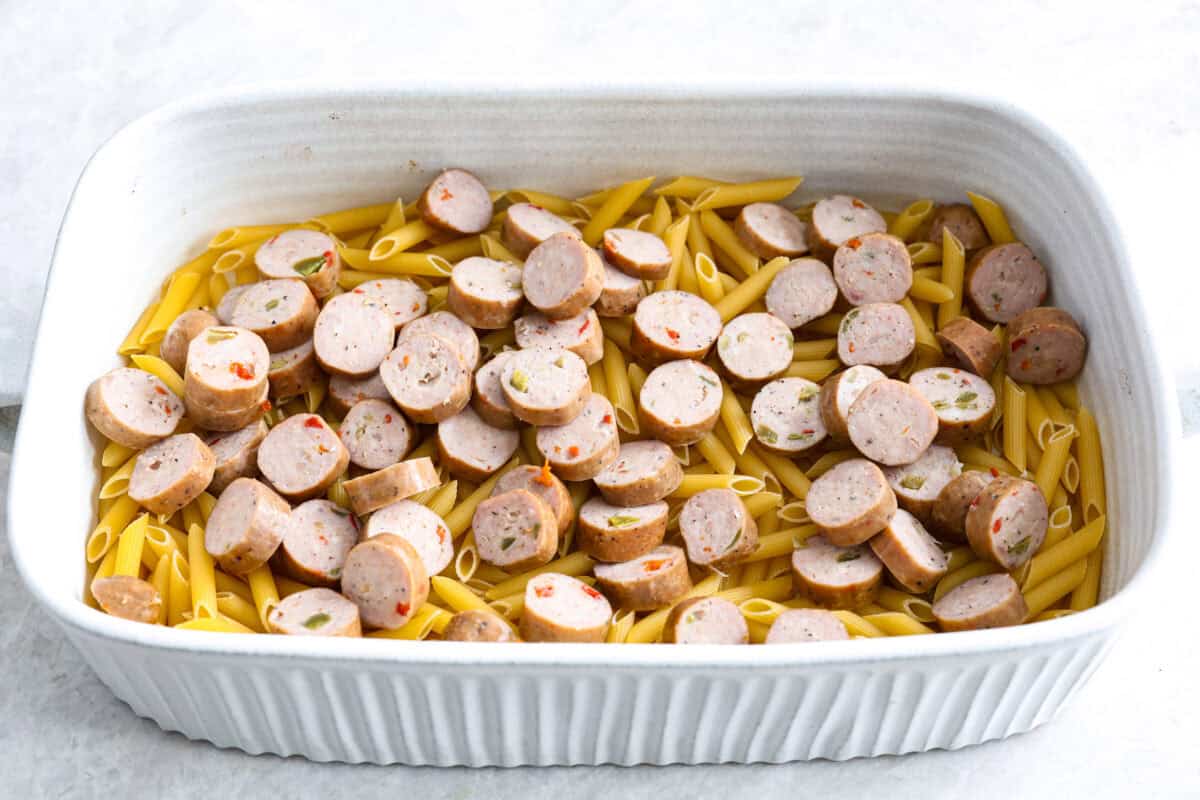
x=1123 y=86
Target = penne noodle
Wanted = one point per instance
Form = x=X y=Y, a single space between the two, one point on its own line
x=1073 y=548
x=676 y=237
x=930 y=291
x=238 y=610
x=264 y=593
x=637 y=377
x=620 y=200
x=1054 y=459
x=907 y=221
x=117 y=483
x=214 y=625
x=924 y=253
x=618 y=390
x=708 y=279
x=740 y=194
x=953 y=267
x=1087 y=593
x=129 y=547
x=236 y=237
x=857 y=626
x=429 y=265
x=993 y=218
x=174 y=299
x=353 y=219
x=201 y=576
x=735 y=420
x=132 y=341
x=1092 y=492
x=1055 y=588
x=1014 y=424
x=813 y=370
x=785 y=470
x=493 y=249
x=619 y=330
x=428 y=619
x=956 y=578
x=743 y=485
x=551 y=202
x=118 y=516
x=687 y=186
x=749 y=290
x=720 y=233
x=925 y=337
x=916 y=608
x=813 y=350
x=1036 y=416
x=716 y=454
x=828 y=461
x=179 y=593
x=659 y=218
x=895 y=623
x=1067 y=393
x=596 y=377
x=159 y=369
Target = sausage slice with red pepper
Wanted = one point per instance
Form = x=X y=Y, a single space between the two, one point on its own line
x=385 y=578
x=317 y=539
x=246 y=526
x=310 y=256
x=1006 y=523
x=559 y=608
x=133 y=408
x=302 y=456
x=420 y=527
x=582 y=448
x=456 y=201
x=717 y=529
x=171 y=473
x=649 y=581
x=672 y=325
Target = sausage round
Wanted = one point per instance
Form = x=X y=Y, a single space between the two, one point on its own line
x=171 y=473
x=293 y=372
x=456 y=201
x=485 y=293
x=281 y=311
x=803 y=625
x=515 y=530
x=911 y=555
x=1045 y=346
x=672 y=325
x=851 y=502
x=488 y=399
x=680 y=402
x=1006 y=522
x=706 y=620
x=128 y=597
x=649 y=581
x=716 y=529
x=620 y=293
x=769 y=230
x=836 y=577
x=638 y=254
x=644 y=472
x=208 y=417
x=989 y=601
x=475 y=625
x=962 y=400
x=309 y=255
x=316 y=540
x=315 y=612
x=786 y=415
x=543 y=483
x=246 y=526
x=427 y=378
x=187 y=326
x=376 y=434
x=892 y=423
x=352 y=335
x=235 y=454
x=559 y=608
x=563 y=276
x=381 y=487
x=581 y=334
x=620 y=533
x=874 y=268
x=526 y=226
x=879 y=334
x=226 y=369
x=581 y=449
x=401 y=298
x=229 y=301
x=420 y=527
x=345 y=392
x=837 y=219
x=918 y=485
x=450 y=328
x=1005 y=280
x=971 y=344
x=545 y=387
x=472 y=449
x=801 y=292
x=949 y=514
x=302 y=456
x=839 y=393
x=385 y=578
x=755 y=348
x=133 y=408
x=962 y=221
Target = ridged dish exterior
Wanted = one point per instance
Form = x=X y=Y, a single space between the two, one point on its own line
x=154 y=195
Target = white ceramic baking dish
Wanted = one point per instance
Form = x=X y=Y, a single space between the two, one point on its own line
x=154 y=194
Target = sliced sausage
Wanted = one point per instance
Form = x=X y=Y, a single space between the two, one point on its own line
x=962 y=221
x=488 y=399
x=385 y=578
x=620 y=533
x=471 y=449
x=581 y=334
x=769 y=230
x=949 y=514
x=786 y=415
x=171 y=473
x=706 y=620
x=680 y=402
x=1005 y=280
x=315 y=612
x=638 y=254
x=879 y=334
x=620 y=294
x=526 y=226
x=226 y=370
x=801 y=292
x=485 y=293
x=229 y=302
x=962 y=400
x=376 y=434
x=246 y=526
x=213 y=419
x=311 y=256
x=543 y=483
x=873 y=268
x=1006 y=522
x=839 y=393
x=515 y=530
x=851 y=502
x=917 y=485
x=581 y=449
x=420 y=527
x=293 y=372
x=559 y=608
x=187 y=326
x=128 y=597
x=381 y=487
x=316 y=540
x=450 y=328
x=352 y=335
x=281 y=311
x=911 y=555
x=971 y=344
x=672 y=325
x=989 y=601
x=475 y=625
x=1045 y=346
x=892 y=423
x=456 y=201
x=545 y=387
x=837 y=219
x=133 y=408
x=651 y=580
x=235 y=454
x=427 y=377
x=563 y=276
x=302 y=457
x=755 y=348
x=345 y=392
x=403 y=299
x=803 y=625
x=836 y=577
x=644 y=472
x=716 y=529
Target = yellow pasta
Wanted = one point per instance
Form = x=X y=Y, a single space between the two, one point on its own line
x=828 y=461
x=619 y=330
x=743 y=485
x=907 y=221
x=459 y=520
x=715 y=453
x=119 y=515
x=1087 y=593
x=354 y=219
x=179 y=594
x=201 y=575
x=677 y=238
x=917 y=608
x=687 y=186
x=1067 y=394
x=1036 y=416
x=735 y=420
x=708 y=279
x=264 y=592
x=762 y=502
x=993 y=218
x=1014 y=424
x=924 y=253
x=129 y=547
x=953 y=266
x=740 y=194
x=637 y=377
x=894 y=623
x=116 y=484
x=132 y=341
x=1054 y=560
x=817 y=370
x=720 y=233
x=619 y=201
x=551 y=202
x=1053 y=460
x=596 y=377
x=785 y=470
x=749 y=290
x=857 y=626
x=443 y=500
x=961 y=575
x=235 y=608
x=180 y=289
x=1055 y=588
x=813 y=350
x=619 y=392
x=159 y=369
x=925 y=337
x=214 y=625
x=427 y=265
x=931 y=291
x=427 y=619
x=1092 y=499
x=622 y=622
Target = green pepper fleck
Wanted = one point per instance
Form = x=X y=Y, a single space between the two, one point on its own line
x=766 y=434
x=621 y=520
x=309 y=266
x=913 y=482
x=519 y=381
x=272 y=304
x=507 y=542
x=849 y=555
x=316 y=620
x=219 y=334
x=1020 y=547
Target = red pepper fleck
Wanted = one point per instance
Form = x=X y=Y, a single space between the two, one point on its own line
x=265 y=405
x=536 y=208
x=543 y=591
x=445 y=195
x=995 y=472
x=674 y=334
x=243 y=371
x=354 y=522
x=545 y=477
x=651 y=566
x=441 y=532
x=314 y=422
x=387 y=419
x=322 y=538
x=1016 y=343
x=808 y=431
x=160 y=390
x=590 y=592
x=359 y=291
x=378 y=285
x=975 y=502
x=586 y=322
x=854 y=243
x=406 y=360
x=402 y=609
x=1025 y=363
x=328 y=256
x=167 y=407
x=416 y=306
x=996 y=526
x=607 y=419
x=322 y=449
x=572 y=451
x=850 y=346
x=858 y=203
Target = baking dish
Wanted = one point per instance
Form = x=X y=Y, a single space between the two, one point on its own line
x=154 y=193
